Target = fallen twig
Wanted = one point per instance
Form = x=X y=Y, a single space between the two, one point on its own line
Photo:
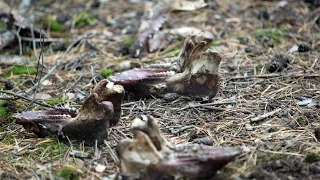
x=27 y=99
x=207 y=105
x=112 y=153
x=274 y=75
x=259 y=118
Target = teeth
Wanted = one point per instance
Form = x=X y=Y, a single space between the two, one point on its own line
x=162 y=74
x=63 y=116
x=66 y=116
x=171 y=73
x=164 y=65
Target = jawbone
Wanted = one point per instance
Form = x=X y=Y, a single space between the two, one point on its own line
x=150 y=156
x=100 y=110
x=195 y=74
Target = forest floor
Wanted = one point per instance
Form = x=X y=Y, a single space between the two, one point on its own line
x=272 y=115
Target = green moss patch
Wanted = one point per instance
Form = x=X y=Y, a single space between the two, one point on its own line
x=275 y=157
x=3 y=25
x=267 y=34
x=312 y=157
x=9 y=139
x=53 y=24
x=128 y=41
x=3 y=108
x=18 y=70
x=69 y=173
x=56 y=100
x=84 y=19
x=213 y=44
x=52 y=148
x=105 y=73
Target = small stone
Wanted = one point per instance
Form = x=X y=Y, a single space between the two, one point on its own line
x=257 y=141
x=288 y=143
x=8 y=85
x=249 y=127
x=293 y=124
x=79 y=154
x=252 y=50
x=58 y=46
x=303 y=48
x=245 y=148
x=100 y=168
x=171 y=96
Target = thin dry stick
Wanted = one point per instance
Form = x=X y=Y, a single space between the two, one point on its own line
x=295 y=75
x=40 y=40
x=34 y=42
x=206 y=105
x=26 y=99
x=259 y=118
x=40 y=59
x=112 y=153
x=284 y=153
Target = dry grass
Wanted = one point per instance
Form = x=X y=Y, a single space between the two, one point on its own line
x=254 y=109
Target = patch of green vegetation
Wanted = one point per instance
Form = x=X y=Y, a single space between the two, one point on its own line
x=275 y=157
x=16 y=70
x=24 y=70
x=3 y=25
x=232 y=125
x=8 y=139
x=176 y=50
x=213 y=44
x=69 y=173
x=273 y=34
x=128 y=41
x=53 y=146
x=84 y=19
x=56 y=100
x=3 y=109
x=312 y=157
x=105 y=73
x=53 y=24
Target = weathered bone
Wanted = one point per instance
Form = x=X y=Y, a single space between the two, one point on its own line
x=150 y=156
x=195 y=75
x=100 y=110
x=151 y=129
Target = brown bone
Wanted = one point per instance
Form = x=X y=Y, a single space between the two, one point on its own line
x=100 y=110
x=151 y=156
x=195 y=75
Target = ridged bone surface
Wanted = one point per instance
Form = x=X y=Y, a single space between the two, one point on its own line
x=150 y=156
x=100 y=110
x=195 y=74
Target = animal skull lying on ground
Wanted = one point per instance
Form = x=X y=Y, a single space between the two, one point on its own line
x=100 y=110
x=151 y=156
x=195 y=75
